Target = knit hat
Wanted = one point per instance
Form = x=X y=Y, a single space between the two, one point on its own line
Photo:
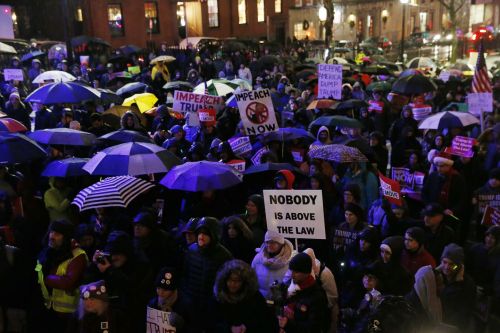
x=272 y=235
x=369 y=235
x=215 y=143
x=119 y=242
x=417 y=233
x=354 y=189
x=176 y=129
x=393 y=244
x=495 y=174
x=443 y=158
x=356 y=210
x=167 y=278
x=146 y=219
x=190 y=225
x=301 y=262
x=66 y=228
x=433 y=209
x=454 y=252
x=95 y=290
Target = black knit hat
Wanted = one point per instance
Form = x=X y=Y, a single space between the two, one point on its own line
x=495 y=174
x=301 y=262
x=369 y=235
x=146 y=219
x=356 y=210
x=119 y=242
x=167 y=278
x=454 y=252
x=417 y=233
x=66 y=228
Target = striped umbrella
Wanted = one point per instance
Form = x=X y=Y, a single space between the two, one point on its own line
x=337 y=153
x=11 y=125
x=132 y=158
x=216 y=87
x=448 y=119
x=111 y=192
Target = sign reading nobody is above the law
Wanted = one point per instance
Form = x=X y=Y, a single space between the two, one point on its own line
x=295 y=213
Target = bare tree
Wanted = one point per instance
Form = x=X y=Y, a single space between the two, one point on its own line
x=453 y=7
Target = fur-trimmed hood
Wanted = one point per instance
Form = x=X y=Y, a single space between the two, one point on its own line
x=277 y=262
x=249 y=282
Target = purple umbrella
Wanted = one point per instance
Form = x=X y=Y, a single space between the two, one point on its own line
x=123 y=136
x=201 y=176
x=69 y=167
x=287 y=134
x=63 y=136
x=63 y=92
x=18 y=148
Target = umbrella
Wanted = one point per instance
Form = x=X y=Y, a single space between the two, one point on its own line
x=287 y=134
x=305 y=74
x=81 y=40
x=337 y=153
x=216 y=87
x=322 y=104
x=130 y=49
x=421 y=62
x=267 y=61
x=32 y=55
x=69 y=167
x=231 y=102
x=116 y=77
x=163 y=58
x=178 y=85
x=201 y=176
x=109 y=96
x=113 y=115
x=54 y=76
x=2 y=114
x=379 y=85
x=265 y=167
x=350 y=104
x=11 y=125
x=301 y=67
x=461 y=66
x=63 y=92
x=244 y=84
x=133 y=159
x=132 y=88
x=410 y=71
x=18 y=148
x=338 y=60
x=5 y=48
x=57 y=51
x=111 y=192
x=63 y=136
x=123 y=136
x=448 y=119
x=376 y=70
x=340 y=121
x=144 y=101
x=413 y=85
x=363 y=146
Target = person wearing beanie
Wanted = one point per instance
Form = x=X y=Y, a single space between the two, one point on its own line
x=284 y=179
x=17 y=110
x=347 y=232
x=437 y=233
x=271 y=262
x=487 y=195
x=414 y=254
x=255 y=218
x=60 y=268
x=306 y=306
x=179 y=135
x=459 y=293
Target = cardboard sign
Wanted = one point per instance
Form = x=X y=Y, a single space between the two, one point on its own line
x=159 y=321
x=13 y=74
x=189 y=102
x=391 y=190
x=330 y=81
x=461 y=146
x=238 y=165
x=295 y=213
x=298 y=155
x=257 y=111
x=491 y=216
x=207 y=117
x=480 y=102
x=241 y=146
x=134 y=70
x=375 y=106
x=257 y=156
x=420 y=111
x=403 y=176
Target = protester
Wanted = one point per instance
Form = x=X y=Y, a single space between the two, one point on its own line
x=415 y=255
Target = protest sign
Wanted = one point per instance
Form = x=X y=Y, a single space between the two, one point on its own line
x=298 y=155
x=240 y=146
x=159 y=321
x=85 y=60
x=480 y=102
x=295 y=213
x=256 y=157
x=491 y=216
x=375 y=106
x=207 y=117
x=13 y=74
x=420 y=111
x=238 y=165
x=330 y=81
x=189 y=102
x=444 y=76
x=461 y=146
x=391 y=190
x=134 y=70
x=257 y=111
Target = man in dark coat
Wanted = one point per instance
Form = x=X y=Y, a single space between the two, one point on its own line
x=437 y=233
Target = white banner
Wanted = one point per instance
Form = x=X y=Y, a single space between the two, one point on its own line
x=330 y=81
x=13 y=74
x=257 y=111
x=478 y=102
x=295 y=213
x=189 y=102
x=158 y=321
x=240 y=146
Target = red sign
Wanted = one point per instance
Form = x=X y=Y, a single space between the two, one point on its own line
x=491 y=216
x=375 y=106
x=391 y=190
x=461 y=146
x=207 y=116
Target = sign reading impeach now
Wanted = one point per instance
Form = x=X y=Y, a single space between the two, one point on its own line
x=295 y=213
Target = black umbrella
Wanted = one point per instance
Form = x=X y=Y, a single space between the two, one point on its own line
x=305 y=73
x=178 y=85
x=32 y=55
x=350 y=104
x=363 y=146
x=80 y=40
x=108 y=96
x=130 y=49
x=301 y=67
x=413 y=85
x=268 y=61
x=376 y=70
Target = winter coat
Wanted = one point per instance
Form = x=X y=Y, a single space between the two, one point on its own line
x=368 y=183
x=115 y=320
x=484 y=267
x=344 y=236
x=44 y=118
x=182 y=308
x=412 y=261
x=433 y=186
x=458 y=298
x=241 y=247
x=435 y=242
x=272 y=269
x=318 y=142
x=57 y=202
x=20 y=114
x=158 y=248
x=393 y=278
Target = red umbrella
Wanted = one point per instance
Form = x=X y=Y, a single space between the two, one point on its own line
x=11 y=125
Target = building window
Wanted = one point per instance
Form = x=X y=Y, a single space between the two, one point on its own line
x=261 y=13
x=213 y=13
x=151 y=16
x=115 y=21
x=242 y=11
x=309 y=2
x=300 y=33
x=298 y=3
x=79 y=15
x=277 y=6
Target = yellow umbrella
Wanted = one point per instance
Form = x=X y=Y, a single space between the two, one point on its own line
x=144 y=101
x=163 y=58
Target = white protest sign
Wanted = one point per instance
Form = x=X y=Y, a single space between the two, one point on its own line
x=478 y=102
x=257 y=111
x=256 y=157
x=240 y=146
x=189 y=102
x=13 y=74
x=238 y=165
x=444 y=76
x=158 y=321
x=329 y=81
x=295 y=213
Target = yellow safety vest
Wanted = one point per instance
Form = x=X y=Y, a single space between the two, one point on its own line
x=60 y=300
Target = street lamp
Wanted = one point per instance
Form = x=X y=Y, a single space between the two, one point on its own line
x=322 y=15
x=403 y=23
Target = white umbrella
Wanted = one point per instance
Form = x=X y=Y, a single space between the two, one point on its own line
x=216 y=87
x=5 y=48
x=244 y=84
x=448 y=119
x=339 y=60
x=54 y=76
x=421 y=62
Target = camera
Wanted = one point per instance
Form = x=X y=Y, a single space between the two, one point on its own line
x=103 y=256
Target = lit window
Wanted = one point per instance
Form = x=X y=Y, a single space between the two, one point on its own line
x=242 y=11
x=213 y=13
x=151 y=16
x=115 y=21
x=79 y=15
x=277 y=6
x=300 y=33
x=309 y=2
x=261 y=14
x=298 y=3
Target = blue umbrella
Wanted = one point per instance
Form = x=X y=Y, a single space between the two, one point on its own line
x=32 y=55
x=132 y=88
x=201 y=176
x=63 y=92
x=231 y=102
x=18 y=148
x=287 y=134
x=133 y=159
x=265 y=167
x=123 y=136
x=63 y=136
x=69 y=167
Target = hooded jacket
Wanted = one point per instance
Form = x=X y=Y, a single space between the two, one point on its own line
x=289 y=177
x=57 y=202
x=318 y=142
x=242 y=246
